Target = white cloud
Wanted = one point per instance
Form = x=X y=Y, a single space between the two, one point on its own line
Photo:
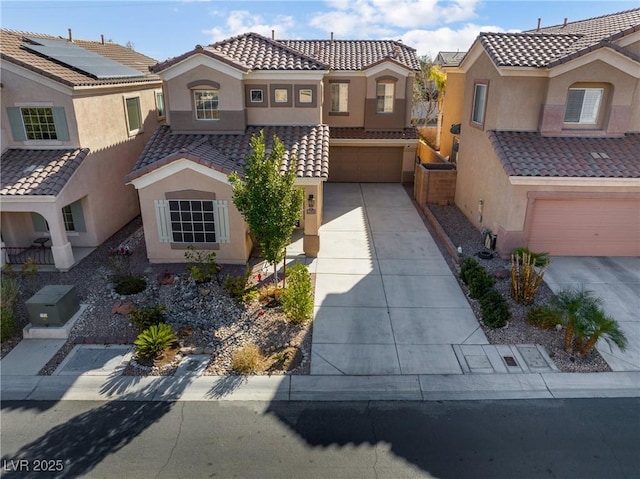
x=243 y=21
x=430 y=42
x=375 y=18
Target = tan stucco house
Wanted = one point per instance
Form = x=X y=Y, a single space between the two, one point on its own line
x=342 y=109
x=548 y=125
x=75 y=117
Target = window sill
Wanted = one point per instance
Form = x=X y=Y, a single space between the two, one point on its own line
x=42 y=143
x=201 y=246
x=478 y=126
x=133 y=133
x=338 y=113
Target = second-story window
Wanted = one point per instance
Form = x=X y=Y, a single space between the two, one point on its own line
x=134 y=115
x=384 y=97
x=39 y=124
x=479 y=103
x=206 y=104
x=583 y=105
x=339 y=97
x=160 y=104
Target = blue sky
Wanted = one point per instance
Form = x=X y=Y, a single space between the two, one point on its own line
x=164 y=29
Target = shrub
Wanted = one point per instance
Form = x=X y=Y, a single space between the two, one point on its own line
x=480 y=282
x=148 y=316
x=545 y=317
x=525 y=279
x=270 y=294
x=297 y=300
x=495 y=310
x=469 y=266
x=9 y=291
x=539 y=259
x=247 y=359
x=238 y=287
x=151 y=342
x=129 y=284
x=201 y=265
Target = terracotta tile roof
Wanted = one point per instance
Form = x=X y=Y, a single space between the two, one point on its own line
x=227 y=152
x=449 y=58
x=356 y=54
x=552 y=45
x=345 y=133
x=12 y=50
x=530 y=154
x=38 y=172
x=251 y=51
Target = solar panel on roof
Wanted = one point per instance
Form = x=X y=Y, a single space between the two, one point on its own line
x=100 y=67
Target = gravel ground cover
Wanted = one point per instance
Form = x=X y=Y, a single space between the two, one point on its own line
x=518 y=331
x=210 y=322
x=206 y=318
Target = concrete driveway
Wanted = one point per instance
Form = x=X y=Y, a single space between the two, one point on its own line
x=617 y=282
x=385 y=302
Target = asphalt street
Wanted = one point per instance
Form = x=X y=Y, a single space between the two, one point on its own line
x=585 y=438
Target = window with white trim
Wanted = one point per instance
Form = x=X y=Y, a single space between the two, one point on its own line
x=479 y=103
x=384 y=97
x=583 y=105
x=39 y=123
x=280 y=95
x=133 y=114
x=256 y=95
x=305 y=95
x=206 y=104
x=160 y=104
x=339 y=97
x=189 y=221
x=67 y=217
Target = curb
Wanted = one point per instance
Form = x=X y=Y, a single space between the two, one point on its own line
x=322 y=388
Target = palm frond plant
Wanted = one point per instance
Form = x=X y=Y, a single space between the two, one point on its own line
x=596 y=324
x=574 y=305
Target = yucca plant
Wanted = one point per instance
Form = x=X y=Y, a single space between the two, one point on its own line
x=525 y=279
x=575 y=306
x=596 y=324
x=539 y=259
x=152 y=342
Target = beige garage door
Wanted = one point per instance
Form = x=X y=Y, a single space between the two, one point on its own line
x=365 y=164
x=586 y=227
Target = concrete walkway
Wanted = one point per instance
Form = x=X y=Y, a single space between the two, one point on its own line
x=617 y=282
x=386 y=302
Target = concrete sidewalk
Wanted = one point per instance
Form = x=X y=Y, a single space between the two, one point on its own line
x=321 y=388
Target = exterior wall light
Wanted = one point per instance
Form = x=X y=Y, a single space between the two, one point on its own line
x=311 y=201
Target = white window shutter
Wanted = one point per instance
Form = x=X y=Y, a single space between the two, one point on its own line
x=163 y=220
x=221 y=212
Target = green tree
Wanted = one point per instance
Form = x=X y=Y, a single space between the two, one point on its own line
x=428 y=94
x=268 y=199
x=595 y=325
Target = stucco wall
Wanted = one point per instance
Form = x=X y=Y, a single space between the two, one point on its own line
x=230 y=101
x=235 y=252
x=356 y=101
x=452 y=109
x=20 y=91
x=290 y=115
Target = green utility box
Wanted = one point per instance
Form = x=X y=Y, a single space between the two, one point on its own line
x=53 y=305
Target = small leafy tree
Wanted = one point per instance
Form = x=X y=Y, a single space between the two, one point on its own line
x=428 y=94
x=268 y=199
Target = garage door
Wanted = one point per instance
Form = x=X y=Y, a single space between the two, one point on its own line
x=586 y=227
x=365 y=164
